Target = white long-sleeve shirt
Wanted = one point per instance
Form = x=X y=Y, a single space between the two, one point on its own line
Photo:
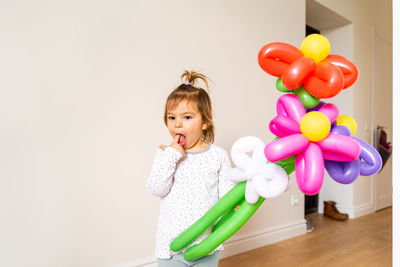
x=188 y=187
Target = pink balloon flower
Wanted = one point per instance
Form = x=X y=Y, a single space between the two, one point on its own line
x=310 y=154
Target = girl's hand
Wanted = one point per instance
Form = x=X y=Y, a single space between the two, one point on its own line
x=175 y=145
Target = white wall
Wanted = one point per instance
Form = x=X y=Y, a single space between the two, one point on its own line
x=341 y=40
x=83 y=84
x=364 y=15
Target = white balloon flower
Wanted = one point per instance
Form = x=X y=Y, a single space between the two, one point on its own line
x=263 y=179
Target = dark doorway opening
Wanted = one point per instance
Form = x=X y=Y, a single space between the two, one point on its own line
x=311 y=202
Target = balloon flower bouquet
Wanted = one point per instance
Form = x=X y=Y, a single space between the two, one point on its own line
x=310 y=136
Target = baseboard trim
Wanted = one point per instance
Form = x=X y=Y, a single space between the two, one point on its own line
x=363 y=209
x=243 y=243
x=145 y=262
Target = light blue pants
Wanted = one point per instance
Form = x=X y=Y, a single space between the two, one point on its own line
x=178 y=261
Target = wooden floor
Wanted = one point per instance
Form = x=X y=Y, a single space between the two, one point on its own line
x=365 y=241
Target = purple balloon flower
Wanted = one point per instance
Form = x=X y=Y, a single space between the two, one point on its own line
x=368 y=163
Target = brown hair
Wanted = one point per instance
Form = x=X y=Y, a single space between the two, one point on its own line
x=190 y=93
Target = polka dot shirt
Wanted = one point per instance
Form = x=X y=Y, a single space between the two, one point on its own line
x=188 y=187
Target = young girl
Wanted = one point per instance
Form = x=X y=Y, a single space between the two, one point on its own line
x=189 y=175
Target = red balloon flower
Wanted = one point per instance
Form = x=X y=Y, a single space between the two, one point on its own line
x=323 y=79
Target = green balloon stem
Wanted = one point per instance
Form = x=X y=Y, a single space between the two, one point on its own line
x=288 y=166
x=226 y=203
x=306 y=98
x=236 y=221
x=227 y=215
x=230 y=220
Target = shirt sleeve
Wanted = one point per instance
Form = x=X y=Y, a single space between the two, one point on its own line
x=224 y=183
x=162 y=172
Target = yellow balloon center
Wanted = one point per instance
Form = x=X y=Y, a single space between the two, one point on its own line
x=316 y=47
x=315 y=126
x=349 y=122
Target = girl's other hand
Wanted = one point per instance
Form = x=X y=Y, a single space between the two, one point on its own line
x=175 y=145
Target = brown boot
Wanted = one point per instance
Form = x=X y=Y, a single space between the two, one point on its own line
x=331 y=211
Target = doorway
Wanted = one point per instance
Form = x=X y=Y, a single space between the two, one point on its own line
x=382 y=113
x=311 y=202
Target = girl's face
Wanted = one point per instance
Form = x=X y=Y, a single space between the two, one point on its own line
x=186 y=121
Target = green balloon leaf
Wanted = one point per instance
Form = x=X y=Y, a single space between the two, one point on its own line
x=288 y=164
x=306 y=98
x=280 y=86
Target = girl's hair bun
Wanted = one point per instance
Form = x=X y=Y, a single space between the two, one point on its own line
x=190 y=77
x=189 y=92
